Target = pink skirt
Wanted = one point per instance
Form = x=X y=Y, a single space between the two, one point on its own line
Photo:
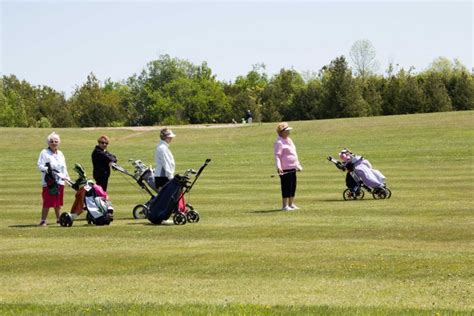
x=53 y=200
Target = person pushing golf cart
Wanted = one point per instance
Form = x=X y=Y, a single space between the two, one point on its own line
x=165 y=165
x=360 y=175
x=101 y=161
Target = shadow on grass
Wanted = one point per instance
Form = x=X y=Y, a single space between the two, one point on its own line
x=336 y=200
x=266 y=211
x=25 y=226
x=50 y=226
x=151 y=224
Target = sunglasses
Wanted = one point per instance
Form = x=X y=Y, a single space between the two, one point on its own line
x=104 y=143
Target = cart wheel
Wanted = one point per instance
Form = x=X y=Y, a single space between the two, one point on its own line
x=359 y=195
x=348 y=195
x=379 y=194
x=192 y=216
x=179 y=219
x=65 y=220
x=140 y=211
x=389 y=193
x=89 y=219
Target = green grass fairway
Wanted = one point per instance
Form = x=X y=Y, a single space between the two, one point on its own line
x=412 y=254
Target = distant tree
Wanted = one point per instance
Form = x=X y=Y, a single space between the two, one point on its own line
x=308 y=101
x=457 y=80
x=7 y=113
x=148 y=101
x=278 y=96
x=246 y=93
x=93 y=106
x=412 y=97
x=177 y=91
x=309 y=75
x=52 y=106
x=436 y=95
x=371 y=88
x=44 y=123
x=19 y=107
x=441 y=65
x=462 y=91
x=362 y=55
x=341 y=96
x=391 y=95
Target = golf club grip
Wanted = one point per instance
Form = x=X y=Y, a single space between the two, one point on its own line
x=198 y=174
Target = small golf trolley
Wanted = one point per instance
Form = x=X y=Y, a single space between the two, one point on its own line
x=144 y=176
x=89 y=197
x=168 y=200
x=357 y=192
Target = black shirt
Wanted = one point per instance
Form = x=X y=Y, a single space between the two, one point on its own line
x=100 y=162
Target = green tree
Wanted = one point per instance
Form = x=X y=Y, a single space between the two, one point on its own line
x=175 y=91
x=436 y=94
x=371 y=87
x=7 y=113
x=341 y=96
x=308 y=101
x=462 y=91
x=412 y=98
x=278 y=96
x=18 y=105
x=457 y=80
x=246 y=93
x=391 y=92
x=53 y=107
x=92 y=105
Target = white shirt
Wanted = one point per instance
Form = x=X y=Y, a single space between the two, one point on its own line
x=164 y=159
x=57 y=162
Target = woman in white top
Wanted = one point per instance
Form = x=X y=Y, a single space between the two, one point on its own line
x=165 y=165
x=52 y=164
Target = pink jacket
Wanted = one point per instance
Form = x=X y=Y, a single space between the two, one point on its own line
x=285 y=154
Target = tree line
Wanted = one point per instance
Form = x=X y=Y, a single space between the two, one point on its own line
x=172 y=91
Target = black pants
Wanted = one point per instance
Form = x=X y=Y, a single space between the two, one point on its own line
x=288 y=183
x=160 y=181
x=103 y=182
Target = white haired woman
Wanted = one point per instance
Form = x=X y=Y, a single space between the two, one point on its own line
x=165 y=165
x=52 y=164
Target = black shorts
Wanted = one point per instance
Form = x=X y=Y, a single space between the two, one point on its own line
x=161 y=181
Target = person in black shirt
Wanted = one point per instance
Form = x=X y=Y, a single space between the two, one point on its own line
x=248 y=117
x=101 y=160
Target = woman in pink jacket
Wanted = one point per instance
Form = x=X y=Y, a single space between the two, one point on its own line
x=287 y=164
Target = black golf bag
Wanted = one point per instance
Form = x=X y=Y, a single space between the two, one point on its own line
x=163 y=205
x=170 y=200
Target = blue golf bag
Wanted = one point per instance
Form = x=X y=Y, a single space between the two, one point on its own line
x=166 y=201
x=170 y=200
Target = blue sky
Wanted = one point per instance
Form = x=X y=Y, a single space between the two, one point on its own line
x=58 y=43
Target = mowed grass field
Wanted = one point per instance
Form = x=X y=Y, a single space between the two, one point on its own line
x=411 y=254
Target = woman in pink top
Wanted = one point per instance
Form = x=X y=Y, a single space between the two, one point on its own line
x=287 y=164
